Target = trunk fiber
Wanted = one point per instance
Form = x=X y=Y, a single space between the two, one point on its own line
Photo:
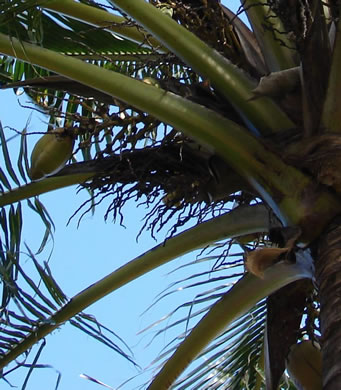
x=328 y=277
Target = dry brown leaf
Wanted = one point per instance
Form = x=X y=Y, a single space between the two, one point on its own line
x=259 y=260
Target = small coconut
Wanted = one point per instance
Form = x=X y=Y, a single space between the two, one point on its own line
x=50 y=153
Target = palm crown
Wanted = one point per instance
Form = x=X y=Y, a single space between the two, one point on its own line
x=180 y=104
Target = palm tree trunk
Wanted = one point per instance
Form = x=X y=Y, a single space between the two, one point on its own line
x=328 y=277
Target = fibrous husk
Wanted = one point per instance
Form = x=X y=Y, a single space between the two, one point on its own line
x=321 y=156
x=259 y=260
x=277 y=83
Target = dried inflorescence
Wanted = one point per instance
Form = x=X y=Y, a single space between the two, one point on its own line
x=176 y=175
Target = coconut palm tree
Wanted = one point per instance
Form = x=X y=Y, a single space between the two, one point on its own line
x=180 y=103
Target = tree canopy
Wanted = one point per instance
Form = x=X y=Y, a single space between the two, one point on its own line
x=228 y=134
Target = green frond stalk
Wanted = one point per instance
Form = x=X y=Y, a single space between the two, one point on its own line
x=242 y=297
x=240 y=221
x=278 y=50
x=43 y=186
x=235 y=85
x=98 y=17
x=226 y=77
x=284 y=188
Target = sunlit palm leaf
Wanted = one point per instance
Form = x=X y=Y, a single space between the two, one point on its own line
x=34 y=304
x=233 y=359
x=227 y=361
x=22 y=162
x=6 y=157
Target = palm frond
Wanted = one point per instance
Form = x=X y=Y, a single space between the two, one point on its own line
x=60 y=33
x=73 y=38
x=125 y=149
x=232 y=360
x=212 y=324
x=36 y=297
x=72 y=104
x=208 y=231
x=226 y=361
x=10 y=176
x=29 y=297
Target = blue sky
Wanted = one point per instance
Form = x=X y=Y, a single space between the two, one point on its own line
x=81 y=256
